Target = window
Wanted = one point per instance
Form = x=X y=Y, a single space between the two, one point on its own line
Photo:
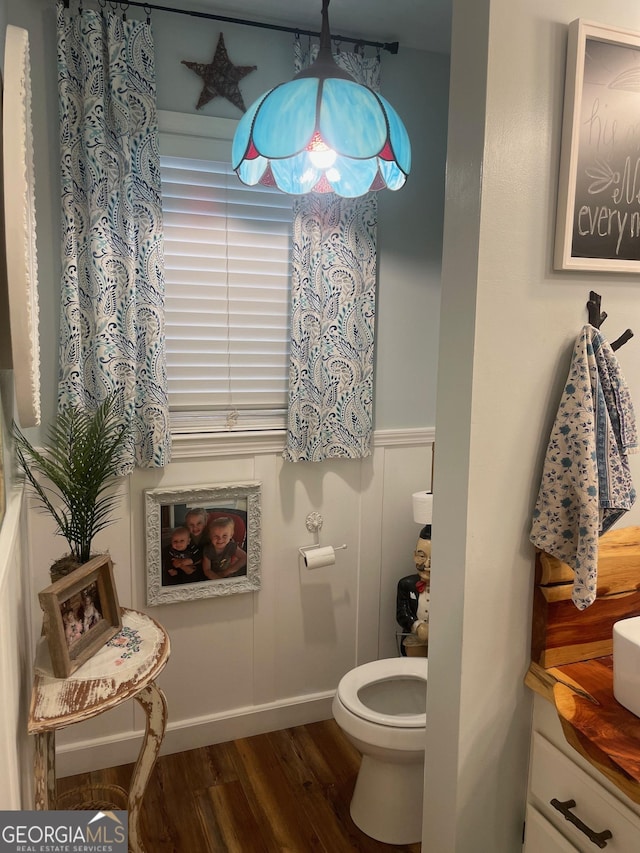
x=227 y=268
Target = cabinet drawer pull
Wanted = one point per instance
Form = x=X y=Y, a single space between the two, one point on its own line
x=597 y=838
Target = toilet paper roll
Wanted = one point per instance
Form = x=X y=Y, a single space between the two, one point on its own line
x=316 y=558
x=422 y=507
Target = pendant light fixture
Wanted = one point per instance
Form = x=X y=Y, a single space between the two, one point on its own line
x=322 y=132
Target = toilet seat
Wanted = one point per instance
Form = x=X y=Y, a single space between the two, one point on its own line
x=382 y=670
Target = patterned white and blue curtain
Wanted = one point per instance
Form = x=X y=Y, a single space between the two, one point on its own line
x=333 y=312
x=112 y=311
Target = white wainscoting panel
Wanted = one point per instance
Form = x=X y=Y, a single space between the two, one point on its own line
x=16 y=755
x=257 y=661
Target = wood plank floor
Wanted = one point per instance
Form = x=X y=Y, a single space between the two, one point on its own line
x=282 y=792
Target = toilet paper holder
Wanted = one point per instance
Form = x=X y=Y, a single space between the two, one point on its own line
x=318 y=555
x=305 y=548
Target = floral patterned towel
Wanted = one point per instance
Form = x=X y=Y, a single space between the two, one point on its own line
x=586 y=482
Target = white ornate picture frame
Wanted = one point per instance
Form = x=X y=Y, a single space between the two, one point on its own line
x=167 y=512
x=20 y=225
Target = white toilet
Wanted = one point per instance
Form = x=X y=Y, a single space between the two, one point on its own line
x=381 y=708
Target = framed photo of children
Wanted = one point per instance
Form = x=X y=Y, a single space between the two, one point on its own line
x=202 y=541
x=81 y=614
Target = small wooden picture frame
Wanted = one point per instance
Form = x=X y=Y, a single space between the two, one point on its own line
x=81 y=614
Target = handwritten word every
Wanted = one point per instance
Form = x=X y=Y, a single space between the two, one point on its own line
x=602 y=221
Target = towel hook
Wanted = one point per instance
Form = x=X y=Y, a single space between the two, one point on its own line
x=597 y=318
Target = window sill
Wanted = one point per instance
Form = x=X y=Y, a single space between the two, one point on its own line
x=205 y=444
x=193 y=445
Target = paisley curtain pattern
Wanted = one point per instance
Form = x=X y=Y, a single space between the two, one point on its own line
x=330 y=411
x=112 y=299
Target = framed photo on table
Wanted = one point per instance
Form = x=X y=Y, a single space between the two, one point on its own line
x=598 y=213
x=81 y=614
x=202 y=541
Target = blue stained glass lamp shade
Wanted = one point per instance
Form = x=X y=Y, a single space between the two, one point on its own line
x=322 y=132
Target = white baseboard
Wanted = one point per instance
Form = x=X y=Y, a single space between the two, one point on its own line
x=112 y=751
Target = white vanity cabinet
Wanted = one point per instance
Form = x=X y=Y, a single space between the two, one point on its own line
x=541 y=835
x=601 y=817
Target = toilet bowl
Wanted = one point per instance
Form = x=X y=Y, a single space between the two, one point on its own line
x=381 y=708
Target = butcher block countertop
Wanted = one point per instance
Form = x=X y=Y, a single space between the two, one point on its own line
x=572 y=663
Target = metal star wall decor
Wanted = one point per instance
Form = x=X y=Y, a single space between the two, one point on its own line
x=221 y=77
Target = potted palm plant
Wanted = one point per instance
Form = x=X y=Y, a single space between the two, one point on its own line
x=73 y=475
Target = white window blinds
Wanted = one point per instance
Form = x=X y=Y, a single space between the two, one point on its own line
x=227 y=262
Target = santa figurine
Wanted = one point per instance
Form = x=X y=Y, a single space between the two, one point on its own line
x=412 y=603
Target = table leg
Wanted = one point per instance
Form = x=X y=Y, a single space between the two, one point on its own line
x=44 y=770
x=154 y=704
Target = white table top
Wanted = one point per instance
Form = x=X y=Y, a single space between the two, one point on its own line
x=124 y=665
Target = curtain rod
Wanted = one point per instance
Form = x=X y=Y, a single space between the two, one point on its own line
x=392 y=47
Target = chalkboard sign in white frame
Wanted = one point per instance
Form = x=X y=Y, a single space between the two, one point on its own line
x=598 y=215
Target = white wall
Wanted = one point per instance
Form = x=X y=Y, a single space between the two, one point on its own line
x=508 y=323
x=267 y=660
